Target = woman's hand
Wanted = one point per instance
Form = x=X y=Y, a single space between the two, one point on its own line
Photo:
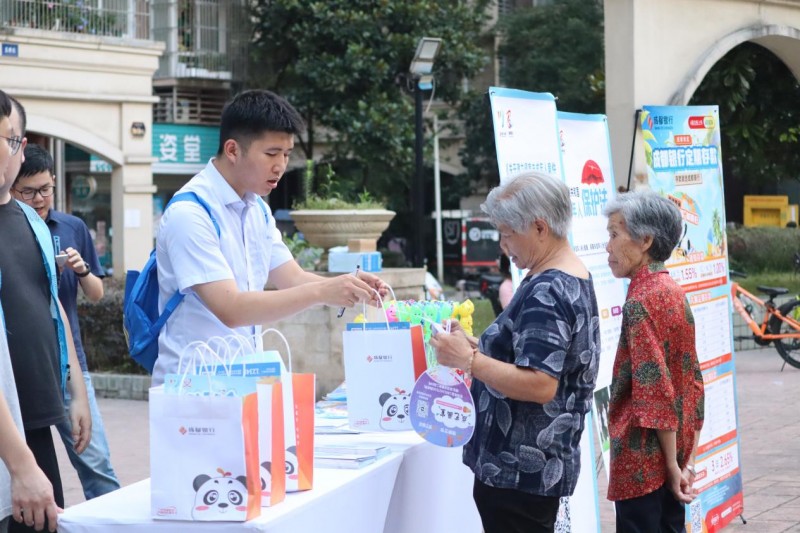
x=677 y=483
x=453 y=349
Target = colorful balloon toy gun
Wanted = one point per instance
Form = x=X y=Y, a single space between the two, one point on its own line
x=445 y=310
x=403 y=311
x=391 y=311
x=463 y=313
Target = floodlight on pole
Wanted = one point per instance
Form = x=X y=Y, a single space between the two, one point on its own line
x=420 y=70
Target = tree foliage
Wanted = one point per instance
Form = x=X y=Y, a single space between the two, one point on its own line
x=757 y=96
x=344 y=64
x=556 y=48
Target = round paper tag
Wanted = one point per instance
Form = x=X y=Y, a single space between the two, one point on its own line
x=442 y=409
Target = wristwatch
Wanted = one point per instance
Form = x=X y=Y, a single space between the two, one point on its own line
x=85 y=272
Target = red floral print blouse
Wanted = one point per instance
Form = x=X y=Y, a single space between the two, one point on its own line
x=656 y=385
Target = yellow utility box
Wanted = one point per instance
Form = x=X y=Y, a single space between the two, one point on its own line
x=768 y=211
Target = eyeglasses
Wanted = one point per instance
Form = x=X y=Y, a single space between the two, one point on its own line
x=14 y=143
x=30 y=194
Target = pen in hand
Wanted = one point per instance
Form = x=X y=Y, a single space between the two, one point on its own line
x=342 y=309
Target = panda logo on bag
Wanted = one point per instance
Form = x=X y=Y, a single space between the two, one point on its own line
x=220 y=498
x=292 y=468
x=394 y=415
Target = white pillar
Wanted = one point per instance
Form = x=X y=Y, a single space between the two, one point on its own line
x=620 y=83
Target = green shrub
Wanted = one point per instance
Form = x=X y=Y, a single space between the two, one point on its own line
x=762 y=248
x=101 y=329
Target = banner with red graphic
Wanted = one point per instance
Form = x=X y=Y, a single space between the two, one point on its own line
x=586 y=156
x=684 y=164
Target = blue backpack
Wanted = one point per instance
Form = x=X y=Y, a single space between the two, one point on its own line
x=140 y=318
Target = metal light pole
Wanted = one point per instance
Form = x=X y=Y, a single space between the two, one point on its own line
x=419 y=181
x=420 y=70
x=437 y=192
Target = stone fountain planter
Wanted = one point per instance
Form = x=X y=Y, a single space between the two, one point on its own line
x=329 y=228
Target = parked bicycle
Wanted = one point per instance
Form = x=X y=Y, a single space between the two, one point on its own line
x=780 y=324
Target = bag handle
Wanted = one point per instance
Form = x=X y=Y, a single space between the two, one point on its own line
x=380 y=300
x=193 y=350
x=285 y=342
x=197 y=349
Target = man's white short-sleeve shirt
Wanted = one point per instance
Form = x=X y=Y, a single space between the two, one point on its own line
x=189 y=253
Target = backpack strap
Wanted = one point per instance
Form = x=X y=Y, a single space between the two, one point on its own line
x=192 y=197
x=263 y=207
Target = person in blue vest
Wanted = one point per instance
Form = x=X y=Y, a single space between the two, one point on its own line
x=23 y=485
x=43 y=356
x=79 y=266
x=223 y=274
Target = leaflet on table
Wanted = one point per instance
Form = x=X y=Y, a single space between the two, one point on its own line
x=205 y=385
x=343 y=461
x=328 y=450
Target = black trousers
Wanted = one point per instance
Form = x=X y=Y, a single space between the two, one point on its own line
x=657 y=512
x=514 y=511
x=40 y=442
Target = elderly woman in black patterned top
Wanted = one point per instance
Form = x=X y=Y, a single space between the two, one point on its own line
x=534 y=367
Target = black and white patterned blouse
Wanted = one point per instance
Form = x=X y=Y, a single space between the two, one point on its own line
x=551 y=325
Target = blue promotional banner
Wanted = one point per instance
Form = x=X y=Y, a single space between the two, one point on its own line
x=682 y=150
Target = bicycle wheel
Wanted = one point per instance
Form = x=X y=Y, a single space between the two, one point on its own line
x=789 y=349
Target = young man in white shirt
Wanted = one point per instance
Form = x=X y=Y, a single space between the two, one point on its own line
x=223 y=276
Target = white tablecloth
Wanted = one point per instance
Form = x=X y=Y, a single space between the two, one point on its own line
x=419 y=488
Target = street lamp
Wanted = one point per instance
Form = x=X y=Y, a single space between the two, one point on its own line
x=420 y=70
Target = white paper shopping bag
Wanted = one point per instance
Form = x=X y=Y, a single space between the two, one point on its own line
x=203 y=457
x=382 y=361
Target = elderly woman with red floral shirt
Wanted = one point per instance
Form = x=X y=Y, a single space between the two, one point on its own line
x=656 y=407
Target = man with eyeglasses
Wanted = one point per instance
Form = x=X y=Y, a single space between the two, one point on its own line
x=43 y=358
x=14 y=143
x=35 y=185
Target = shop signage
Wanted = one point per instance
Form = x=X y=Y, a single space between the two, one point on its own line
x=183 y=148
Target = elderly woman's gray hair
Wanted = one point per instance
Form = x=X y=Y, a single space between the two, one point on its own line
x=527 y=197
x=647 y=213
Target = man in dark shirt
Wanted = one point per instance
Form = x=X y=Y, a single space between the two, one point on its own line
x=78 y=265
x=42 y=353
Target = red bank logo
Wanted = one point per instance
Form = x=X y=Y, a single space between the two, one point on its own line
x=701 y=123
x=182 y=430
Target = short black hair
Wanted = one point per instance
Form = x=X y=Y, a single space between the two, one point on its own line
x=252 y=113
x=37 y=160
x=5 y=104
x=23 y=117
